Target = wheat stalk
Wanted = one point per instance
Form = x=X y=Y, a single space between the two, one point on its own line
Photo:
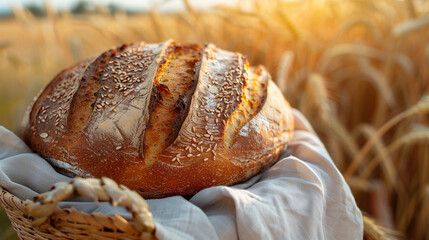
x=283 y=70
x=411 y=26
x=382 y=157
x=421 y=107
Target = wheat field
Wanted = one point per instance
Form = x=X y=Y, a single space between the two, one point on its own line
x=357 y=69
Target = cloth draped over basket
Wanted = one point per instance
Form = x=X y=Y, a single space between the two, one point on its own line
x=302 y=196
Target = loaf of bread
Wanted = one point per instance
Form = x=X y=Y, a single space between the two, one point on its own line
x=163 y=119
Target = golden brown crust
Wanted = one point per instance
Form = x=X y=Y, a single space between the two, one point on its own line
x=164 y=119
x=82 y=103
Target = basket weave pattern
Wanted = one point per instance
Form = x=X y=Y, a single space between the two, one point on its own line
x=14 y=209
x=68 y=223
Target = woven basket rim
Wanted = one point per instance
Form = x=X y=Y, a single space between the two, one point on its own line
x=68 y=223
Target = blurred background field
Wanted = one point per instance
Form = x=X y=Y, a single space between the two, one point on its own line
x=357 y=69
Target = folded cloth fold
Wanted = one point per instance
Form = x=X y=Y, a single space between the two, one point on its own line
x=302 y=196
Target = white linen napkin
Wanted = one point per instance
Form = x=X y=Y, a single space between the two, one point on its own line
x=302 y=196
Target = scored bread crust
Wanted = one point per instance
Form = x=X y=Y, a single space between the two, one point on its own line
x=163 y=119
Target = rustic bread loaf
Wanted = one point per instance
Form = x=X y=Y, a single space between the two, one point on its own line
x=163 y=119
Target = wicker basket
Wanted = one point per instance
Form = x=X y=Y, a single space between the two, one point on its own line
x=42 y=219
